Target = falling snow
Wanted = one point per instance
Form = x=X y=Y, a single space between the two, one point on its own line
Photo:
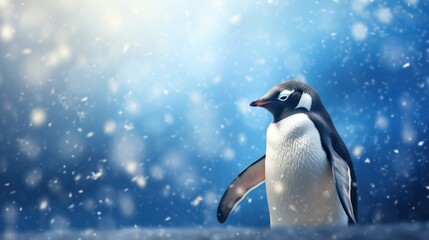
x=384 y=15
x=118 y=114
x=196 y=201
x=38 y=117
x=359 y=31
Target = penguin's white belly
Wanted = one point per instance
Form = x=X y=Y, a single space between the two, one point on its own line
x=299 y=180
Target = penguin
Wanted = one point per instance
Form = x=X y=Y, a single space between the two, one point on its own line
x=307 y=169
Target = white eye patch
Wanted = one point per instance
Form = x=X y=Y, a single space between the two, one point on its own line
x=283 y=96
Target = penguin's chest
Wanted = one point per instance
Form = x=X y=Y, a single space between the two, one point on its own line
x=299 y=179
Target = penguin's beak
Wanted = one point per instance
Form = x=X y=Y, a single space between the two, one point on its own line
x=259 y=103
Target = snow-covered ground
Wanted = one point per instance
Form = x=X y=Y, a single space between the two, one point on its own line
x=392 y=231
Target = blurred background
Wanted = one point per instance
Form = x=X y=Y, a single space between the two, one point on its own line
x=135 y=113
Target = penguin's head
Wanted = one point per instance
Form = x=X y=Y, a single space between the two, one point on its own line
x=287 y=98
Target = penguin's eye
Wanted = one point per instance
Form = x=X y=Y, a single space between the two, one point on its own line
x=284 y=95
x=283 y=98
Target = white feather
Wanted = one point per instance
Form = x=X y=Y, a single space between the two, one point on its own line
x=305 y=101
x=299 y=180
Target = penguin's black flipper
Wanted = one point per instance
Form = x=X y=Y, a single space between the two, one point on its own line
x=343 y=182
x=342 y=165
x=246 y=181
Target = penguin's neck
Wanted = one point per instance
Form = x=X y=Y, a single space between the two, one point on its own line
x=279 y=116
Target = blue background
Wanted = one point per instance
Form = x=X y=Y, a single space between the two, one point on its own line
x=135 y=113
